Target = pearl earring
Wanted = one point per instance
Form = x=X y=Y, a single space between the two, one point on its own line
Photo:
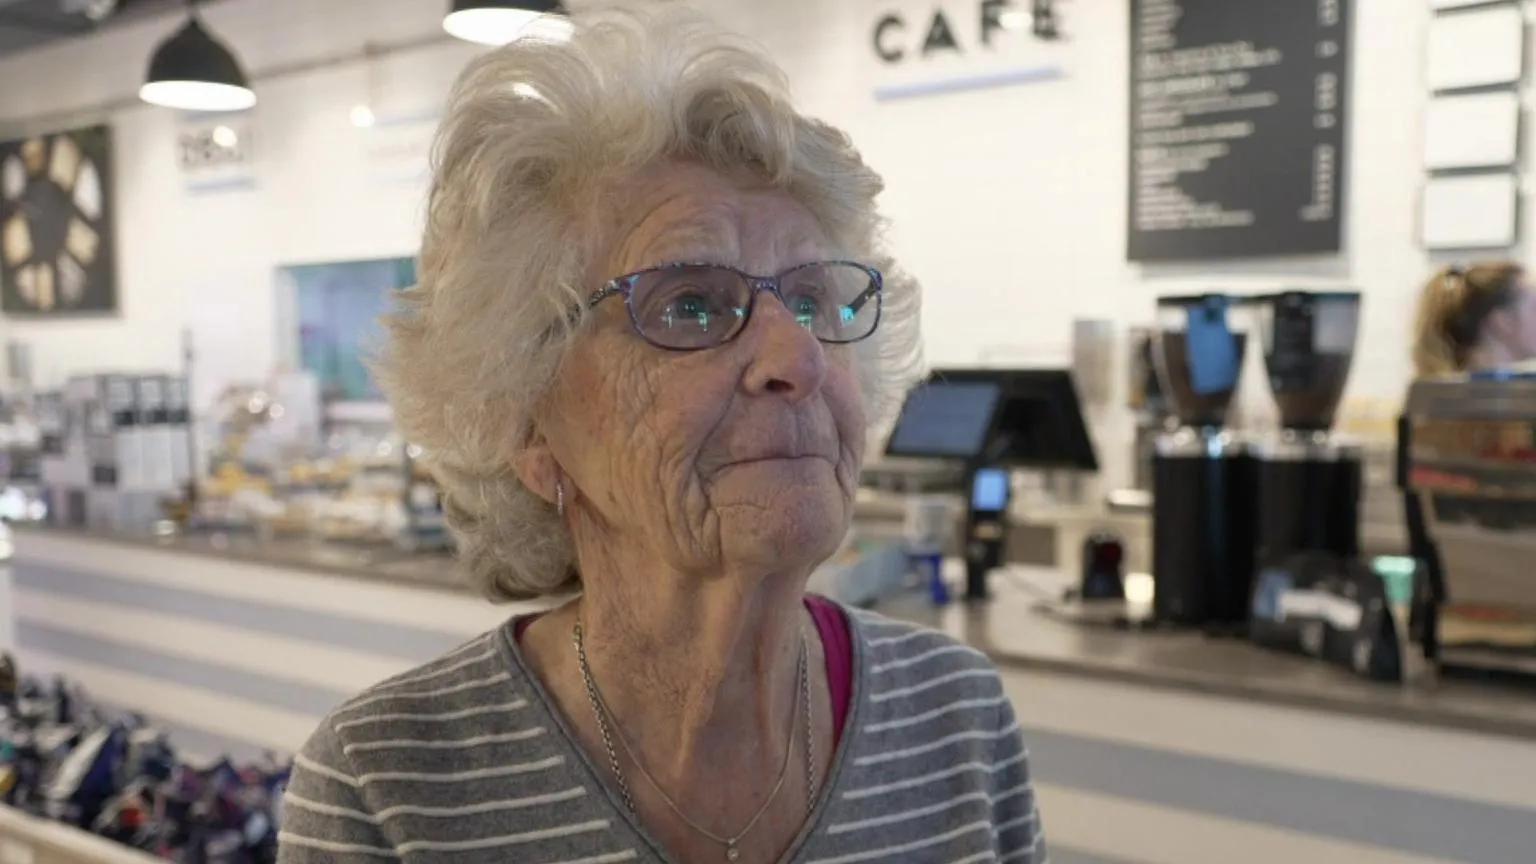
x=559 y=498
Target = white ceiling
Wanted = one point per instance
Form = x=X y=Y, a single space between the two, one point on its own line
x=27 y=24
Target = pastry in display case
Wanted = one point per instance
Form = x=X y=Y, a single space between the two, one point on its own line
x=284 y=468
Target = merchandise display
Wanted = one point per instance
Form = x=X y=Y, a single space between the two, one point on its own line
x=115 y=448
x=119 y=777
x=123 y=453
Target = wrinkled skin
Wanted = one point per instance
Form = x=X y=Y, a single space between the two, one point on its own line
x=738 y=458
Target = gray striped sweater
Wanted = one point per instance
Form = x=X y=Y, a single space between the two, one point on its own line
x=464 y=760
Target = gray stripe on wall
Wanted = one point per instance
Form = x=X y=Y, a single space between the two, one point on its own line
x=1066 y=855
x=389 y=640
x=300 y=698
x=1419 y=823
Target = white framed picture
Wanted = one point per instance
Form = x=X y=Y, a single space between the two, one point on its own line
x=1477 y=48
x=1473 y=211
x=1478 y=130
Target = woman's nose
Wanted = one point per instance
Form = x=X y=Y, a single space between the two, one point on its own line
x=787 y=359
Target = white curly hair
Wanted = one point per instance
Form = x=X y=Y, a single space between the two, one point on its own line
x=534 y=136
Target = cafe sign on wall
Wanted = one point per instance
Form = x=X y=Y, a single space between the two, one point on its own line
x=929 y=47
x=215 y=155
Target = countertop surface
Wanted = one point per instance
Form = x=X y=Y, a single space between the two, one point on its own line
x=1013 y=630
x=374 y=562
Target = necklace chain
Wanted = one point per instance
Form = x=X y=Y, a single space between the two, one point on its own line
x=607 y=728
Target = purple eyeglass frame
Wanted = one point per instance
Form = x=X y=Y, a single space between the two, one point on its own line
x=624 y=286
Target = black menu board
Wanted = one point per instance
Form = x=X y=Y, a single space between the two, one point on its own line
x=1238 y=111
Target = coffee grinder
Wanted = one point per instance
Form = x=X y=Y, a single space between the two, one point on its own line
x=1309 y=480
x=1202 y=477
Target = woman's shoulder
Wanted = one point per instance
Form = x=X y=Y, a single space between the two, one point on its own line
x=913 y=669
x=892 y=643
x=466 y=671
x=472 y=681
x=928 y=703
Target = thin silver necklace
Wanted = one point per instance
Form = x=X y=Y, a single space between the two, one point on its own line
x=609 y=731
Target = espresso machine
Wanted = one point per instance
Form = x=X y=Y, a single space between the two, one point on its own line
x=1202 y=477
x=1309 y=480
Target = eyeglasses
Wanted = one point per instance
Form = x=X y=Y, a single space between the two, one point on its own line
x=690 y=307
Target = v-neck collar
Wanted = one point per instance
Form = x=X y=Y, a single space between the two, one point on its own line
x=512 y=653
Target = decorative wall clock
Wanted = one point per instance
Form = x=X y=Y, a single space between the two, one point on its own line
x=57 y=238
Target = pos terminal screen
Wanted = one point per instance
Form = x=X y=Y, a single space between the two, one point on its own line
x=945 y=420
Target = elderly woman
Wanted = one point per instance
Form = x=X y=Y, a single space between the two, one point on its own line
x=653 y=323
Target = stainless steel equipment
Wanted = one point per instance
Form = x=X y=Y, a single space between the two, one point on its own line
x=1470 y=458
x=1202 y=477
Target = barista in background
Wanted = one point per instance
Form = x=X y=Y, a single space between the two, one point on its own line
x=1477 y=317
x=1482 y=316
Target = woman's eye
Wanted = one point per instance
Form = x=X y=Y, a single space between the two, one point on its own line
x=805 y=307
x=690 y=305
x=690 y=308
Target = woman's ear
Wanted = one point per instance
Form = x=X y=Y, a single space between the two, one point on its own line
x=535 y=465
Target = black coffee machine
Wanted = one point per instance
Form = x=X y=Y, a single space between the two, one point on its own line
x=1309 y=481
x=1202 y=476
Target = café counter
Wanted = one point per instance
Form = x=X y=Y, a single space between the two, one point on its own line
x=1146 y=747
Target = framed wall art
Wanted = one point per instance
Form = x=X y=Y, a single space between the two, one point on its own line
x=57 y=227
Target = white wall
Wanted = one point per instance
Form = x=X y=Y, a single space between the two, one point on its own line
x=1010 y=203
x=208 y=258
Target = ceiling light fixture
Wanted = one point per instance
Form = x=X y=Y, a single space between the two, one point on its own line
x=498 y=22
x=194 y=71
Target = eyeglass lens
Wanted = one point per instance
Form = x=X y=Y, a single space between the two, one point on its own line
x=699 y=306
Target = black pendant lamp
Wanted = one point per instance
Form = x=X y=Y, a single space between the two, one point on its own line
x=194 y=71
x=498 y=22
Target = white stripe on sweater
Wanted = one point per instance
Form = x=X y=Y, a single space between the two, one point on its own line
x=940 y=681
x=931 y=777
x=905 y=637
x=505 y=839
x=923 y=657
x=935 y=713
x=450 y=744
x=391 y=694
x=301 y=803
x=1027 y=855
x=462 y=776
x=929 y=747
x=905 y=815
x=441 y=671
x=444 y=717
x=304 y=763
x=886 y=853
x=610 y=858
x=570 y=794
